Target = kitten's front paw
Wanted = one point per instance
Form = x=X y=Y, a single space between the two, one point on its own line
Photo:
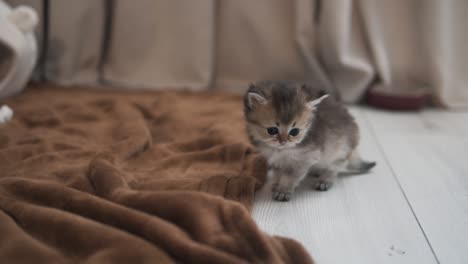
x=322 y=185
x=281 y=196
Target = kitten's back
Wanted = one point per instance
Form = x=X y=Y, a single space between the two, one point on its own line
x=333 y=121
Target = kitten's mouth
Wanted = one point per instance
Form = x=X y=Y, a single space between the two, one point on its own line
x=282 y=146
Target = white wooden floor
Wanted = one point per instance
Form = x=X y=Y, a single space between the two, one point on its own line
x=413 y=207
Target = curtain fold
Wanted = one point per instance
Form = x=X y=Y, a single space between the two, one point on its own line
x=161 y=44
x=265 y=39
x=74 y=44
x=348 y=45
x=344 y=48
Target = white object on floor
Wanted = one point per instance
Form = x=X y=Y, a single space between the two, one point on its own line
x=412 y=207
x=25 y=18
x=18 y=48
x=6 y=114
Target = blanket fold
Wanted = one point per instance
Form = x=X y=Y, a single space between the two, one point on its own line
x=99 y=176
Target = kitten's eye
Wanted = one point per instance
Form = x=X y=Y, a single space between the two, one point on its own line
x=272 y=130
x=294 y=132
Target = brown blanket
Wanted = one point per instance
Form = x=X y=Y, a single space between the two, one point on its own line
x=142 y=177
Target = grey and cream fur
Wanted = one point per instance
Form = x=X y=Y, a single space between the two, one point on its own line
x=302 y=131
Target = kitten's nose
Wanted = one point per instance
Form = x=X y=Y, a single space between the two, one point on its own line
x=281 y=140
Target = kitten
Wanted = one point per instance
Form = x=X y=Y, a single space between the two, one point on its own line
x=301 y=130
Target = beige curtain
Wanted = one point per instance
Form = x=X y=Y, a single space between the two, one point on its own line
x=349 y=45
x=204 y=44
x=397 y=42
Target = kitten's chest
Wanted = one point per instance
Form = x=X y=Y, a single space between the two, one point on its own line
x=288 y=156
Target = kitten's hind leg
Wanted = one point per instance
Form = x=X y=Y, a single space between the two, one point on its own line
x=325 y=180
x=327 y=176
x=322 y=179
x=357 y=165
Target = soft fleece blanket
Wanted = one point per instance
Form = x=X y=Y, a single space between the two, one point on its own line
x=100 y=176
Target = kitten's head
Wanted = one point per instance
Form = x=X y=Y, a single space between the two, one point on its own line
x=279 y=113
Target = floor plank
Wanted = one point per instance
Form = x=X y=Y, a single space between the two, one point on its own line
x=428 y=153
x=362 y=219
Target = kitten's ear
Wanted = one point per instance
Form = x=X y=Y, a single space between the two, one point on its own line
x=254 y=98
x=312 y=105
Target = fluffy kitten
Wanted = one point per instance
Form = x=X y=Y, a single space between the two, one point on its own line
x=301 y=130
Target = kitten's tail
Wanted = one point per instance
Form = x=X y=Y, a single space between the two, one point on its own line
x=356 y=165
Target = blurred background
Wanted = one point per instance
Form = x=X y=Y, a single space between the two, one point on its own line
x=401 y=48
